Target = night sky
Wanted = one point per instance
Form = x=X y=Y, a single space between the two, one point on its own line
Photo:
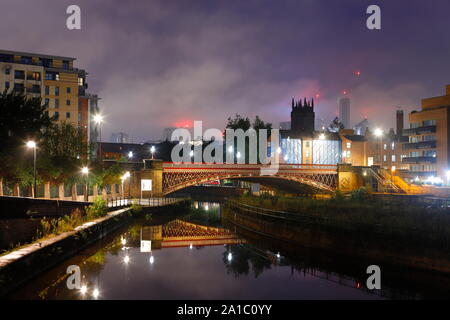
x=161 y=63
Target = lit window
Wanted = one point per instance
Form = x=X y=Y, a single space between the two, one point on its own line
x=393 y=158
x=385 y=146
x=384 y=158
x=349 y=145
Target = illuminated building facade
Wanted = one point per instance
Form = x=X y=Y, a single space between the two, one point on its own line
x=428 y=149
x=54 y=79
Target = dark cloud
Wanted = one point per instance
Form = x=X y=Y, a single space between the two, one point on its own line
x=157 y=63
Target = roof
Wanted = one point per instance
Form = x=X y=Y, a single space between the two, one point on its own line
x=30 y=54
x=355 y=138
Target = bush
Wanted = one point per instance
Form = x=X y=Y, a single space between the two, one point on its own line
x=135 y=208
x=360 y=194
x=97 y=209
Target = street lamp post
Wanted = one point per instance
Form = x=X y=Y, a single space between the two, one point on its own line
x=32 y=144
x=152 y=150
x=98 y=118
x=379 y=134
x=85 y=171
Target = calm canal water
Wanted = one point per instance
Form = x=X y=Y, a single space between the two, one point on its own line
x=201 y=256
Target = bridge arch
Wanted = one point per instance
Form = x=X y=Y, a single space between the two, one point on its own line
x=177 y=177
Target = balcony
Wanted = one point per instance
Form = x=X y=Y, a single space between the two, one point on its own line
x=420 y=145
x=412 y=160
x=419 y=130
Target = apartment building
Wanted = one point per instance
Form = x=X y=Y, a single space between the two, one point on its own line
x=52 y=78
x=428 y=139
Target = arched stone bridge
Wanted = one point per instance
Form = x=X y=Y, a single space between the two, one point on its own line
x=178 y=176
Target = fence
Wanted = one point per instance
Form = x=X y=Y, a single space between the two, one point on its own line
x=120 y=202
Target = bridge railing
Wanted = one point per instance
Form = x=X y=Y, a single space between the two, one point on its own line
x=168 y=165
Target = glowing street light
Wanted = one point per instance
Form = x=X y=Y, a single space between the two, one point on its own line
x=152 y=150
x=378 y=132
x=32 y=145
x=85 y=171
x=322 y=136
x=130 y=155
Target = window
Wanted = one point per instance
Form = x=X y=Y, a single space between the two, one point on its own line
x=385 y=146
x=48 y=63
x=414 y=154
x=393 y=158
x=429 y=153
x=393 y=146
x=370 y=161
x=413 y=139
x=427 y=123
x=414 y=125
x=19 y=87
x=36 y=88
x=430 y=137
x=65 y=64
x=51 y=76
x=67 y=115
x=19 y=74
x=349 y=145
x=56 y=91
x=56 y=115
x=47 y=90
x=384 y=158
x=47 y=101
x=26 y=60
x=80 y=81
x=68 y=90
x=7 y=85
x=7 y=71
x=68 y=102
x=56 y=103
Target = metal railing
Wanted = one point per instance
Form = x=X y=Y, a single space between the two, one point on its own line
x=121 y=202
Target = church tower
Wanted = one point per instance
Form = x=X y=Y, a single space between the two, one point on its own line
x=302 y=117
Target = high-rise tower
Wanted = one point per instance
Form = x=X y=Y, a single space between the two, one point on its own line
x=344 y=111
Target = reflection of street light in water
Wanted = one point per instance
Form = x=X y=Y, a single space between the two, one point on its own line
x=230 y=256
x=190 y=246
x=95 y=293
x=83 y=289
x=152 y=259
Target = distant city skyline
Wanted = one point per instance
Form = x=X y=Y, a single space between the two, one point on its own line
x=156 y=64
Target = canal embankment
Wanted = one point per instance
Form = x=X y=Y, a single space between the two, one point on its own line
x=27 y=262
x=378 y=236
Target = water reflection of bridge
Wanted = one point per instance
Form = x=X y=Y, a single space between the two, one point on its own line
x=179 y=233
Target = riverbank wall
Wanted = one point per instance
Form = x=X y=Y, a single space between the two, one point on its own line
x=25 y=263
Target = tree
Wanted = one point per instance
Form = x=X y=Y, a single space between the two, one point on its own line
x=21 y=119
x=335 y=125
x=238 y=123
x=64 y=150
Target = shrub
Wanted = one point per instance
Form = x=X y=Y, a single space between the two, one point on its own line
x=135 y=208
x=97 y=209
